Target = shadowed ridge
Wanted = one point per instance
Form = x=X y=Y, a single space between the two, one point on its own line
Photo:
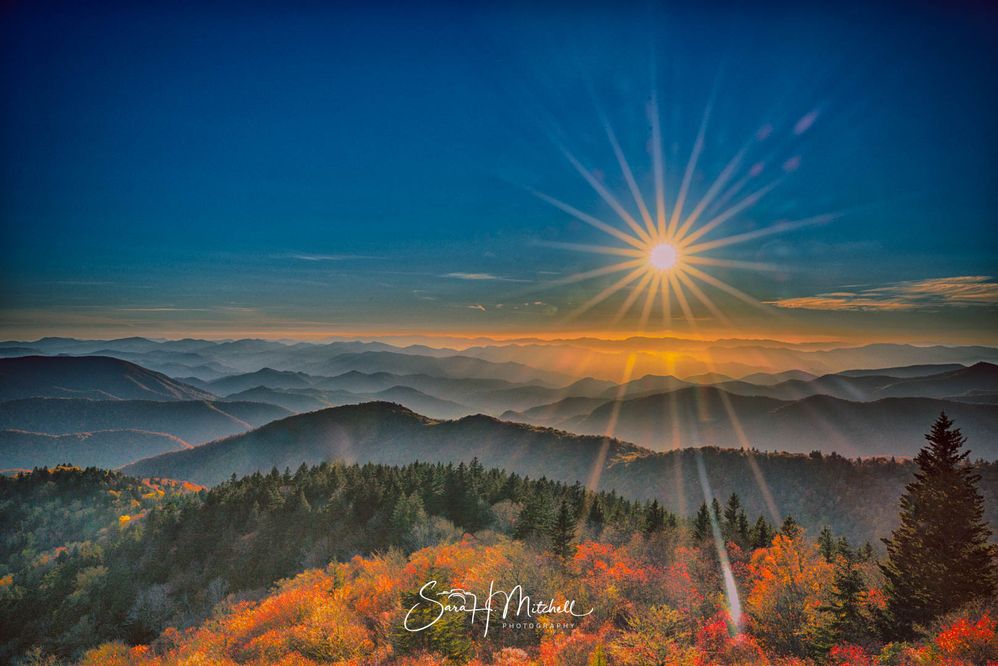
x=389 y=433
x=103 y=377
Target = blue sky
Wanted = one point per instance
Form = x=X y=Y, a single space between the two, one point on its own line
x=310 y=169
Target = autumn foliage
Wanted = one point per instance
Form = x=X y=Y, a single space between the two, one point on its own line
x=351 y=613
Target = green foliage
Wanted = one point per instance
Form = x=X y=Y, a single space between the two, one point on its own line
x=856 y=498
x=848 y=622
x=701 y=523
x=57 y=527
x=63 y=506
x=535 y=518
x=563 y=533
x=448 y=634
x=656 y=518
x=761 y=534
x=735 y=525
x=826 y=544
x=790 y=527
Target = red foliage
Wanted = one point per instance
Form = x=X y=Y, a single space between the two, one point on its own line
x=717 y=645
x=680 y=588
x=849 y=655
x=974 y=642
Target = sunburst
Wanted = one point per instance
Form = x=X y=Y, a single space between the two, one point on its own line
x=663 y=253
x=667 y=255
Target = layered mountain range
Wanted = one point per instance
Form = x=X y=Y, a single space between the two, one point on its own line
x=554 y=362
x=238 y=407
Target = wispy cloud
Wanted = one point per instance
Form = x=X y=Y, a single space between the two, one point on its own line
x=958 y=291
x=480 y=277
x=323 y=257
x=529 y=306
x=81 y=283
x=477 y=306
x=165 y=308
x=839 y=301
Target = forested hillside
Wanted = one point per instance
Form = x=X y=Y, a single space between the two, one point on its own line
x=181 y=577
x=857 y=498
x=48 y=514
x=126 y=574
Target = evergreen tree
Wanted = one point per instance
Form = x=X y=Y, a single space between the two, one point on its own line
x=654 y=518
x=848 y=623
x=462 y=500
x=407 y=514
x=761 y=534
x=534 y=518
x=731 y=511
x=701 y=524
x=826 y=544
x=742 y=531
x=939 y=557
x=563 y=533
x=597 y=518
x=300 y=503
x=790 y=528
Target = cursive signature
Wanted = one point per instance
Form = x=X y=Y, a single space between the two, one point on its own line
x=458 y=600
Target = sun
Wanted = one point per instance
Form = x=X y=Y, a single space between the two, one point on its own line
x=663 y=256
x=664 y=251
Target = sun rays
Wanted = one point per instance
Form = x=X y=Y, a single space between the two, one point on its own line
x=664 y=253
x=662 y=257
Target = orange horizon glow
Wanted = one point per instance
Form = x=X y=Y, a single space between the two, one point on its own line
x=474 y=335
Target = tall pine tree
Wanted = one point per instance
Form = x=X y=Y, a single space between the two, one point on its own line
x=701 y=524
x=847 y=622
x=939 y=558
x=535 y=517
x=761 y=534
x=563 y=533
x=826 y=544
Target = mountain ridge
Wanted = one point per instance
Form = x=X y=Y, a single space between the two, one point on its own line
x=85 y=376
x=768 y=482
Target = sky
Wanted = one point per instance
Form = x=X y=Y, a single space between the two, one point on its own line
x=309 y=170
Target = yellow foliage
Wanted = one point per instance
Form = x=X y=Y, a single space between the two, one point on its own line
x=790 y=582
x=110 y=654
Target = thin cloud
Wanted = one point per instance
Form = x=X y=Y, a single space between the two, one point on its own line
x=163 y=309
x=967 y=289
x=839 y=302
x=476 y=306
x=480 y=277
x=325 y=257
x=423 y=295
x=957 y=291
x=81 y=283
